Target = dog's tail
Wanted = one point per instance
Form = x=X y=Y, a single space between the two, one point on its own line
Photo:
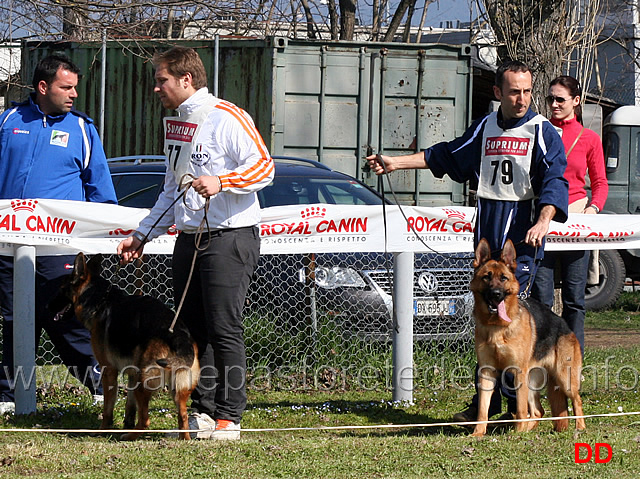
x=184 y=369
x=181 y=355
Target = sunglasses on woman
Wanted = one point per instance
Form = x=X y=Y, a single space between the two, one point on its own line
x=558 y=99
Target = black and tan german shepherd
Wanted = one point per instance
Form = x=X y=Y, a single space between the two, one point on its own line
x=525 y=338
x=131 y=334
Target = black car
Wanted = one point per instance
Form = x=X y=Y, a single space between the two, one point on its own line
x=354 y=289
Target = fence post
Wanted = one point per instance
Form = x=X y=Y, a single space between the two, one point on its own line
x=403 y=327
x=24 y=344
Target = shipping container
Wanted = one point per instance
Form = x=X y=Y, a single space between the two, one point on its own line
x=329 y=101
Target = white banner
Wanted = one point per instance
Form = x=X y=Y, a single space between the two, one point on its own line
x=66 y=227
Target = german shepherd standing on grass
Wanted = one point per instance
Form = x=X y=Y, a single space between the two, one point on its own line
x=523 y=337
x=131 y=334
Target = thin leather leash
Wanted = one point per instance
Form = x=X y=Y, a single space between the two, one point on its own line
x=185 y=183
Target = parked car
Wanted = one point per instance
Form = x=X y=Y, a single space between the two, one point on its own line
x=354 y=289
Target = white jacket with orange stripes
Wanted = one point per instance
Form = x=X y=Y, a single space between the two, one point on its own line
x=227 y=145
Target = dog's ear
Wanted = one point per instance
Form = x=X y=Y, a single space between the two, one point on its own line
x=95 y=265
x=508 y=255
x=483 y=253
x=79 y=268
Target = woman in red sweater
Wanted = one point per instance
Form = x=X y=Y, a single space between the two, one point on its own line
x=584 y=155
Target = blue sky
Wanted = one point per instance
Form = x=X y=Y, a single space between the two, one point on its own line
x=447 y=10
x=438 y=12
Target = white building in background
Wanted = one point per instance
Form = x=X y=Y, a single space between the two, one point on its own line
x=9 y=67
x=636 y=49
x=616 y=73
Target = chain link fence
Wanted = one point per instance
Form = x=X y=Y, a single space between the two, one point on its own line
x=330 y=314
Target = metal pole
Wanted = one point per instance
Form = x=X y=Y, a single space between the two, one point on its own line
x=24 y=323
x=403 y=327
x=216 y=63
x=103 y=83
x=322 y=105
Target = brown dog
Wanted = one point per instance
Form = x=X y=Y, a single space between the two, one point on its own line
x=525 y=338
x=131 y=334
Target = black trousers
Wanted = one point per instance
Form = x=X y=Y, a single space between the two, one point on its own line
x=212 y=310
x=71 y=339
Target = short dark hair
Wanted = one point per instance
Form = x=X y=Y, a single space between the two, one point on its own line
x=510 y=66
x=47 y=68
x=575 y=90
x=182 y=60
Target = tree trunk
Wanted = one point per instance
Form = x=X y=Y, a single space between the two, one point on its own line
x=397 y=19
x=406 y=37
x=533 y=32
x=74 y=19
x=311 y=25
x=347 y=19
x=375 y=21
x=334 y=21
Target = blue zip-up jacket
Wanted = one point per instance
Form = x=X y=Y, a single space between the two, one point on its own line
x=56 y=157
x=498 y=221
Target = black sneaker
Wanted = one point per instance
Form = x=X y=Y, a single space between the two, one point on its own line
x=471 y=414
x=468 y=415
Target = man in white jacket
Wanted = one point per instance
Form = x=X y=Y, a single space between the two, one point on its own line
x=215 y=144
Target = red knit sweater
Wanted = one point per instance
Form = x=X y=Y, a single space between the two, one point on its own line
x=585 y=156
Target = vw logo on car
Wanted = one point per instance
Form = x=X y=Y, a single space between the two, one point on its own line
x=428 y=282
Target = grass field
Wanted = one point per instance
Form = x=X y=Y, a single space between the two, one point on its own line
x=610 y=386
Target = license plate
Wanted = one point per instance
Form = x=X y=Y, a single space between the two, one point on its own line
x=433 y=307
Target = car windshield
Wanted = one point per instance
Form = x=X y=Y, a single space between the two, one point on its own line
x=137 y=190
x=287 y=190
x=138 y=185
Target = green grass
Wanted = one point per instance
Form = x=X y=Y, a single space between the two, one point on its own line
x=624 y=316
x=333 y=397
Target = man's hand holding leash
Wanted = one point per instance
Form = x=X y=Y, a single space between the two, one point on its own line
x=381 y=164
x=539 y=230
x=130 y=249
x=207 y=186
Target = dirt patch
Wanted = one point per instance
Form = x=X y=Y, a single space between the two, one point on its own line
x=607 y=338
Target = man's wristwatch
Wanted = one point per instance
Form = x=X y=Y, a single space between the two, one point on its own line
x=139 y=236
x=595 y=208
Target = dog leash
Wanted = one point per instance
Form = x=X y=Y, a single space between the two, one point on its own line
x=524 y=294
x=409 y=224
x=197 y=240
x=184 y=184
x=183 y=187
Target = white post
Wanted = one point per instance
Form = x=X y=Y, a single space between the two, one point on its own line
x=24 y=322
x=403 y=327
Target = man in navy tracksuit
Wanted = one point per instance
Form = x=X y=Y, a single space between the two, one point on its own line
x=49 y=150
x=518 y=160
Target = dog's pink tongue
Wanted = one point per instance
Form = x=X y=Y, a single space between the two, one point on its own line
x=502 y=312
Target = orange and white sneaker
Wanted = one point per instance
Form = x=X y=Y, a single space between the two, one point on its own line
x=201 y=425
x=226 y=430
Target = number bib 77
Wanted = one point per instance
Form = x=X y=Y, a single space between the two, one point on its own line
x=506 y=161
x=180 y=134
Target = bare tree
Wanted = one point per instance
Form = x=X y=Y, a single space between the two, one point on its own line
x=403 y=6
x=311 y=25
x=333 y=20
x=83 y=20
x=551 y=36
x=347 y=19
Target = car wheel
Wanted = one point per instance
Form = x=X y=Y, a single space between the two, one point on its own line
x=610 y=282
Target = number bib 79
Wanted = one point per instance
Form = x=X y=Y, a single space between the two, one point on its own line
x=506 y=161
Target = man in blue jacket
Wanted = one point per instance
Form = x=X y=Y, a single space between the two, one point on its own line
x=518 y=160
x=50 y=150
